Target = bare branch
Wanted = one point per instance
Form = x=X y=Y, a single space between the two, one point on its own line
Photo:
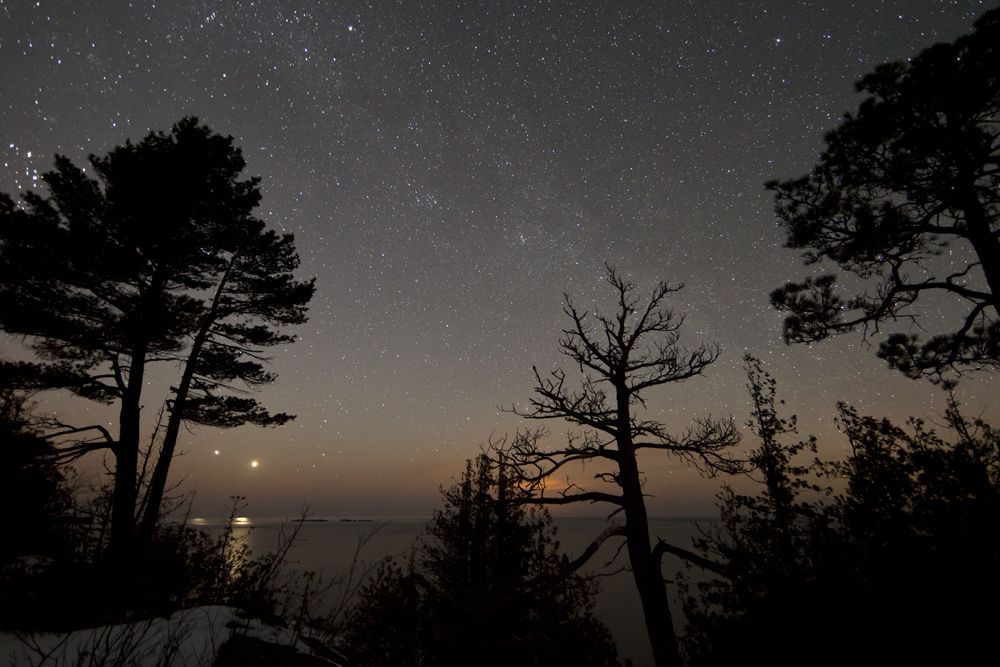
x=620 y=355
x=662 y=548
x=613 y=530
x=566 y=499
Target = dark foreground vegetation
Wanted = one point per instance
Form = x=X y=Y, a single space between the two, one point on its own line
x=887 y=555
x=55 y=570
x=485 y=586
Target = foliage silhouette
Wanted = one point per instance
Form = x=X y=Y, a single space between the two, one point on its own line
x=621 y=357
x=183 y=567
x=155 y=258
x=893 y=569
x=34 y=492
x=486 y=587
x=906 y=196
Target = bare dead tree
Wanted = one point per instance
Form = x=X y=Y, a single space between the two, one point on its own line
x=621 y=356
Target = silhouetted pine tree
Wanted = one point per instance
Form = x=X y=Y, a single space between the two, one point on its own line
x=910 y=176
x=486 y=586
x=155 y=257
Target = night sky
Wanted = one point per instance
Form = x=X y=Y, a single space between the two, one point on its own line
x=449 y=169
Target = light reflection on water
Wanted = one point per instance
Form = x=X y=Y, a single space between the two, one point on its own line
x=329 y=547
x=239 y=546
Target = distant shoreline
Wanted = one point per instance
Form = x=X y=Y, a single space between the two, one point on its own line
x=211 y=522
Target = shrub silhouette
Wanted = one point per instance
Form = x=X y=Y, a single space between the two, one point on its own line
x=894 y=568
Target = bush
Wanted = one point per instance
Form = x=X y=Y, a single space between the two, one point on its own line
x=55 y=573
x=182 y=567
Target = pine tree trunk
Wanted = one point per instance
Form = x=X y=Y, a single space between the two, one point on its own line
x=158 y=481
x=985 y=242
x=123 y=500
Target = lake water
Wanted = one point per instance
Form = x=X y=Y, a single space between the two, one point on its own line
x=329 y=547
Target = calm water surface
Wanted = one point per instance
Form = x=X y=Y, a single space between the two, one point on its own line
x=329 y=546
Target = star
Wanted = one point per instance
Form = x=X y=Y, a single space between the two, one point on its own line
x=448 y=174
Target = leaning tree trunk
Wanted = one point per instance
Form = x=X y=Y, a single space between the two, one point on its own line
x=645 y=567
x=158 y=482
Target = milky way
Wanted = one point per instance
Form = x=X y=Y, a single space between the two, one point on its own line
x=449 y=169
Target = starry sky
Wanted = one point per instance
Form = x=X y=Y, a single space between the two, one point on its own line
x=449 y=169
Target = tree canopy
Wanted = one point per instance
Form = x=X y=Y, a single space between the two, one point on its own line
x=153 y=256
x=906 y=196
